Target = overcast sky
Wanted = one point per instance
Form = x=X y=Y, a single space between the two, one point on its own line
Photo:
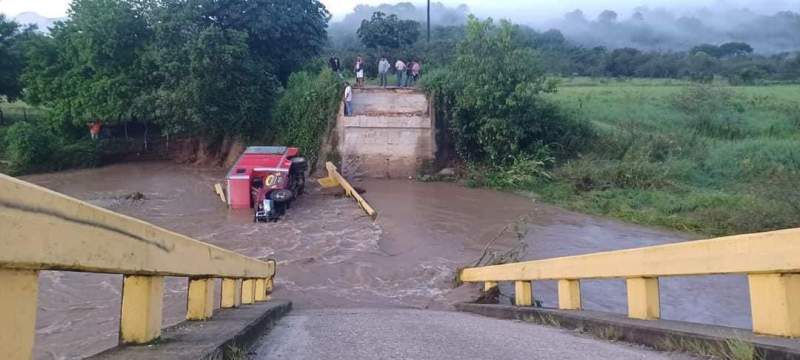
x=517 y=10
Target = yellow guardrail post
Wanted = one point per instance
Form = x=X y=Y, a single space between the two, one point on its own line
x=775 y=303
x=523 y=294
x=248 y=291
x=231 y=293
x=142 y=306
x=269 y=289
x=200 y=299
x=569 y=294
x=336 y=179
x=489 y=285
x=643 y=298
x=19 y=290
x=261 y=290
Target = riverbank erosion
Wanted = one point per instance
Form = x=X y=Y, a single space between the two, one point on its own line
x=332 y=256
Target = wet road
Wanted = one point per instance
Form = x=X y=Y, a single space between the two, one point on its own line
x=331 y=256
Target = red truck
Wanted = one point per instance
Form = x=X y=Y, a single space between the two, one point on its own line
x=266 y=179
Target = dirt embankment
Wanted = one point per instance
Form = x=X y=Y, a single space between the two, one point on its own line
x=196 y=151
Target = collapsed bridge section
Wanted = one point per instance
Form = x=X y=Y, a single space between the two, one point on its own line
x=390 y=135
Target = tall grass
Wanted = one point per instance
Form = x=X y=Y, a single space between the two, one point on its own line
x=710 y=159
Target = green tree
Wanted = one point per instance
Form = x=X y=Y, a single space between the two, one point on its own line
x=13 y=39
x=90 y=66
x=209 y=67
x=494 y=90
x=388 y=32
x=735 y=49
x=624 y=62
x=219 y=63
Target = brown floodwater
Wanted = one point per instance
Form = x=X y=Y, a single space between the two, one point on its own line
x=331 y=255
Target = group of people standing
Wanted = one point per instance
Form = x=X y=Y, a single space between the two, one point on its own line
x=407 y=73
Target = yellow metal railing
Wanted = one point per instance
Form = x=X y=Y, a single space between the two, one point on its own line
x=336 y=179
x=770 y=260
x=44 y=230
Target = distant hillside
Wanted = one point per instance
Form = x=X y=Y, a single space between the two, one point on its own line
x=31 y=18
x=659 y=29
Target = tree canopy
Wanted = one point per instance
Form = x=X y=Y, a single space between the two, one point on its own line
x=212 y=67
x=13 y=39
x=388 y=32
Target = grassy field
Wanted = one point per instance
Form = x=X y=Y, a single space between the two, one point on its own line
x=709 y=159
x=19 y=111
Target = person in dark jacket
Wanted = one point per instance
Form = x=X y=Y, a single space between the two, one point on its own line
x=335 y=65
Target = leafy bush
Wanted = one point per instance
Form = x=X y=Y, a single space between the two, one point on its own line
x=33 y=148
x=305 y=109
x=492 y=99
x=28 y=147
x=524 y=170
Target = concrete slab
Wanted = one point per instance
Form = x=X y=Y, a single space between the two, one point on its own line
x=377 y=102
x=390 y=135
x=353 y=334
x=659 y=334
x=199 y=340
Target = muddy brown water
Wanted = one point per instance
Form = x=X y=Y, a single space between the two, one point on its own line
x=330 y=255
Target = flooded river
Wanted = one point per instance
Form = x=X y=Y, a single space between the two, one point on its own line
x=330 y=255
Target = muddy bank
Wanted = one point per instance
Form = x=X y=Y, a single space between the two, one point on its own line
x=331 y=255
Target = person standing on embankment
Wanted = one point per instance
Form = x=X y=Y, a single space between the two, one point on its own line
x=400 y=68
x=348 y=99
x=94 y=129
x=359 y=69
x=383 y=71
x=335 y=65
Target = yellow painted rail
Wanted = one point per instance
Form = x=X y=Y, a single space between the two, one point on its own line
x=771 y=261
x=44 y=230
x=336 y=179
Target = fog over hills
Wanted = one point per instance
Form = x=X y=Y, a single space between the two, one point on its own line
x=31 y=18
x=769 y=26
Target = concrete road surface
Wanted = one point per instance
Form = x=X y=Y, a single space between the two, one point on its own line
x=352 y=334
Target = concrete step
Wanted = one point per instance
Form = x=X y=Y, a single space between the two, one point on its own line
x=425 y=334
x=659 y=334
x=228 y=334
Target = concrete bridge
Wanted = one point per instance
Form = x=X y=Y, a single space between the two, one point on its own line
x=390 y=135
x=71 y=235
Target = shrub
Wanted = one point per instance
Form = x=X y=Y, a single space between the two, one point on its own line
x=28 y=147
x=80 y=154
x=524 y=170
x=492 y=96
x=305 y=109
x=34 y=148
x=712 y=111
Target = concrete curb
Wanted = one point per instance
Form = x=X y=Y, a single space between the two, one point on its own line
x=208 y=340
x=664 y=335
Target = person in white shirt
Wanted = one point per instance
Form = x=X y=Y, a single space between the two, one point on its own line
x=383 y=71
x=359 y=70
x=348 y=100
x=400 y=67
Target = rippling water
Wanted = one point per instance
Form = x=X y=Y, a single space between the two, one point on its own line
x=331 y=255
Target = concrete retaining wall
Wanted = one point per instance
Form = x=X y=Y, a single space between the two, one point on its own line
x=391 y=134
